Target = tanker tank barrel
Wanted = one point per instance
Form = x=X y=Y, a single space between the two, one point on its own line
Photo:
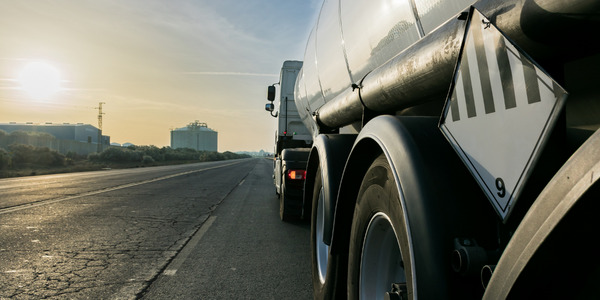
x=423 y=72
x=410 y=78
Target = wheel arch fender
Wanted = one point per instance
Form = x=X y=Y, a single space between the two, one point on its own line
x=416 y=151
x=390 y=136
x=328 y=154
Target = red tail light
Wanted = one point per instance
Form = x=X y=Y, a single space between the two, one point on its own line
x=296 y=174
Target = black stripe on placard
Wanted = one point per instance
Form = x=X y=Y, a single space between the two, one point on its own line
x=468 y=88
x=508 y=89
x=531 y=82
x=484 y=72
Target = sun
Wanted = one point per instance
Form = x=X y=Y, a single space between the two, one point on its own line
x=39 y=79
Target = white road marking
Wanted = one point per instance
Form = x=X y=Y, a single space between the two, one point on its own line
x=185 y=252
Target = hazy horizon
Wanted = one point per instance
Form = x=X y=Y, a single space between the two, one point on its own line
x=156 y=65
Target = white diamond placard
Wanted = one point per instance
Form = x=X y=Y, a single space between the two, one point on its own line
x=499 y=111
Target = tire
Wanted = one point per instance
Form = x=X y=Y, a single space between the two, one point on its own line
x=319 y=250
x=379 y=247
x=325 y=267
x=284 y=213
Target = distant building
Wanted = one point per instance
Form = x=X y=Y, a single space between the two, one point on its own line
x=63 y=131
x=196 y=136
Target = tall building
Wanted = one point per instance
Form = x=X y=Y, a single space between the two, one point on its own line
x=196 y=136
x=63 y=137
x=80 y=132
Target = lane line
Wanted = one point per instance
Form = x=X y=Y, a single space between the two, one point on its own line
x=187 y=250
x=105 y=190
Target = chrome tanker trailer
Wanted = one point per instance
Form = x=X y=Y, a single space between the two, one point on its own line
x=455 y=148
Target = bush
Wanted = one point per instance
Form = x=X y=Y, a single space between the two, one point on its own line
x=211 y=156
x=147 y=159
x=4 y=159
x=50 y=158
x=181 y=154
x=95 y=157
x=154 y=152
x=27 y=155
x=121 y=155
x=21 y=156
x=74 y=156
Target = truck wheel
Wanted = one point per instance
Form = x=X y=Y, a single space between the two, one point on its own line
x=378 y=254
x=284 y=211
x=319 y=250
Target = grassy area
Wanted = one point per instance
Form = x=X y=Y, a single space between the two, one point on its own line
x=26 y=160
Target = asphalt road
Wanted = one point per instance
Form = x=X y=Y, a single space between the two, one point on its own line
x=201 y=231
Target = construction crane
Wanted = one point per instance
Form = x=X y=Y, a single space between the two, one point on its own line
x=100 y=113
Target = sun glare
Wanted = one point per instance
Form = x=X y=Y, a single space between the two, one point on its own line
x=40 y=80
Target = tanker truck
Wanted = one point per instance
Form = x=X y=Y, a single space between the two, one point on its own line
x=456 y=151
x=292 y=144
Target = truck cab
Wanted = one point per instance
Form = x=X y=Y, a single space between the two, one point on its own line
x=292 y=143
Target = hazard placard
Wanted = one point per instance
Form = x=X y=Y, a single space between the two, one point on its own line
x=499 y=112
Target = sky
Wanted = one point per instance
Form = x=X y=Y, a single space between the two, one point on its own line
x=155 y=65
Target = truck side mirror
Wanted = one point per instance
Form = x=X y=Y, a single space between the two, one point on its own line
x=271 y=93
x=270 y=107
